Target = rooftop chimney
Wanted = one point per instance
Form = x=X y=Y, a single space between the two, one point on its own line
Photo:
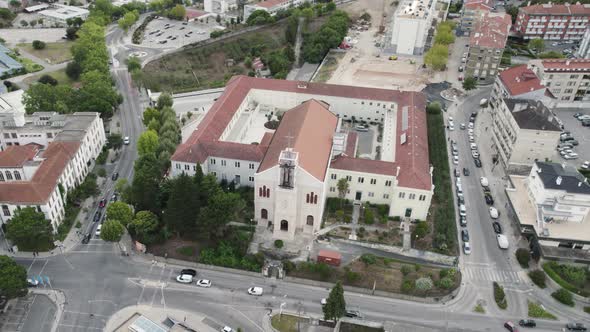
x=558 y=181
x=567 y=62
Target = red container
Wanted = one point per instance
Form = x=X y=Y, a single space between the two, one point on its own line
x=329 y=257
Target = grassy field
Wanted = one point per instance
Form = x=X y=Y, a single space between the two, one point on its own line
x=286 y=323
x=53 y=53
x=330 y=65
x=536 y=311
x=59 y=75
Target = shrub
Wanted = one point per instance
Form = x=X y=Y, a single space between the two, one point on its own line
x=278 y=244
x=186 y=251
x=289 y=266
x=573 y=274
x=352 y=276
x=369 y=217
x=406 y=269
x=78 y=224
x=563 y=296
x=424 y=284
x=537 y=311
x=417 y=267
x=101 y=172
x=369 y=259
x=500 y=296
x=38 y=45
x=523 y=256
x=407 y=286
x=552 y=268
x=538 y=277
x=445 y=283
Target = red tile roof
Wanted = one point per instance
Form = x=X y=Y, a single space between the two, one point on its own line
x=16 y=156
x=554 y=9
x=194 y=13
x=351 y=144
x=308 y=129
x=38 y=190
x=479 y=4
x=363 y=165
x=270 y=3
x=519 y=80
x=491 y=31
x=564 y=65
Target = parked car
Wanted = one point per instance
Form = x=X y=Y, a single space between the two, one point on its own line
x=586 y=165
x=32 y=282
x=98 y=228
x=586 y=123
x=102 y=203
x=462 y=126
x=460 y=199
x=489 y=199
x=486 y=190
x=465 y=171
x=571 y=156
x=471 y=138
x=477 y=163
x=353 y=314
x=86 y=238
x=467 y=248
x=484 y=181
x=510 y=327
x=578 y=114
x=497 y=227
x=465 y=235
x=502 y=241
x=361 y=128
x=184 y=278
x=473 y=146
x=204 y=283
x=456 y=160
x=574 y=142
x=475 y=154
x=494 y=213
x=463 y=221
x=97 y=216
x=190 y=272
x=115 y=176
x=457 y=173
x=462 y=210
x=227 y=329
x=256 y=291
x=576 y=327
x=527 y=323
x=126 y=139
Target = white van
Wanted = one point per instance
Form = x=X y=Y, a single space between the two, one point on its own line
x=502 y=241
x=484 y=181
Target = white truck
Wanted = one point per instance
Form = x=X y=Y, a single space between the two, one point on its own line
x=502 y=241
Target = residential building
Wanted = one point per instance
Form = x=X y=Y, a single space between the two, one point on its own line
x=220 y=6
x=519 y=82
x=486 y=45
x=8 y=66
x=551 y=205
x=568 y=80
x=60 y=14
x=471 y=11
x=412 y=22
x=43 y=157
x=523 y=132
x=584 y=49
x=294 y=168
x=271 y=6
x=552 y=21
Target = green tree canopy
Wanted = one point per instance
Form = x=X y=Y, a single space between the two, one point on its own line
x=437 y=57
x=120 y=211
x=164 y=100
x=469 y=83
x=48 y=98
x=177 y=13
x=146 y=182
x=147 y=143
x=13 y=278
x=133 y=64
x=143 y=225
x=183 y=205
x=112 y=230
x=30 y=231
x=128 y=19
x=537 y=44
x=335 y=304
x=259 y=17
x=444 y=37
x=221 y=208
x=149 y=114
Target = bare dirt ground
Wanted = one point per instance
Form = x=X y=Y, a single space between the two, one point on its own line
x=365 y=65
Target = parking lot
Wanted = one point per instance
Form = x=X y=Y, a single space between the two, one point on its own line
x=166 y=33
x=579 y=132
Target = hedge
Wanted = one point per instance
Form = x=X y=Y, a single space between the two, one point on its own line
x=538 y=277
x=548 y=268
x=500 y=296
x=523 y=256
x=564 y=297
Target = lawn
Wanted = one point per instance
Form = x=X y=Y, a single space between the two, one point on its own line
x=53 y=53
x=576 y=279
x=330 y=65
x=385 y=274
x=286 y=323
x=349 y=327
x=59 y=75
x=537 y=311
x=30 y=65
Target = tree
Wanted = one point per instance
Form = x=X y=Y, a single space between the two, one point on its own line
x=147 y=143
x=183 y=205
x=469 y=83
x=120 y=211
x=112 y=230
x=164 y=100
x=221 y=208
x=47 y=79
x=30 y=231
x=513 y=12
x=128 y=19
x=121 y=185
x=145 y=187
x=335 y=304
x=115 y=141
x=15 y=3
x=133 y=64
x=259 y=17
x=342 y=186
x=421 y=230
x=144 y=224
x=177 y=13
x=444 y=37
x=537 y=45
x=48 y=98
x=149 y=114
x=73 y=70
x=38 y=45
x=13 y=278
x=307 y=13
x=154 y=125
x=72 y=33
x=24 y=23
x=437 y=57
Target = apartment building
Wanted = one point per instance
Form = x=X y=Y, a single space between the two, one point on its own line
x=271 y=6
x=524 y=131
x=220 y=6
x=519 y=82
x=412 y=22
x=552 y=205
x=43 y=157
x=584 y=49
x=486 y=45
x=568 y=80
x=553 y=21
x=471 y=11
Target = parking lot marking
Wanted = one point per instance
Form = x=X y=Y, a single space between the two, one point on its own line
x=78 y=326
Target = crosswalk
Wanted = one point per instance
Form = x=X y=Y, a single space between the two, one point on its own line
x=490 y=274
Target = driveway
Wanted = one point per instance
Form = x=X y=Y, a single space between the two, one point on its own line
x=580 y=133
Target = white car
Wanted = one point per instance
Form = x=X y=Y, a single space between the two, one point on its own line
x=97 y=233
x=462 y=210
x=458 y=182
x=470 y=126
x=456 y=160
x=324 y=301
x=586 y=165
x=473 y=146
x=184 y=278
x=467 y=248
x=470 y=131
x=462 y=126
x=32 y=282
x=126 y=140
x=494 y=213
x=451 y=127
x=227 y=329
x=459 y=188
x=256 y=291
x=204 y=283
x=484 y=181
x=450 y=119
x=475 y=154
x=502 y=241
x=571 y=155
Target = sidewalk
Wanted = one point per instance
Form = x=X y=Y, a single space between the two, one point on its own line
x=58 y=298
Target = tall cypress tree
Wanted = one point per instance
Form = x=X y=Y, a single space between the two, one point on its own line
x=335 y=305
x=182 y=207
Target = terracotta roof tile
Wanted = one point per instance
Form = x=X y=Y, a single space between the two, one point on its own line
x=563 y=65
x=479 y=4
x=270 y=3
x=16 y=156
x=519 y=80
x=491 y=31
x=364 y=165
x=554 y=9
x=308 y=129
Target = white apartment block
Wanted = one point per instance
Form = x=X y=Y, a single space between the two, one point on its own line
x=271 y=6
x=294 y=168
x=411 y=22
x=41 y=152
x=523 y=132
x=220 y=6
x=568 y=80
x=552 y=205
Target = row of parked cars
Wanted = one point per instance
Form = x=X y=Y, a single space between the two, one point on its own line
x=566 y=145
x=510 y=326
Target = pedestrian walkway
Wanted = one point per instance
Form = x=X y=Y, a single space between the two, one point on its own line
x=491 y=274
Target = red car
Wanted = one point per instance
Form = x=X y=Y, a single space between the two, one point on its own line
x=102 y=203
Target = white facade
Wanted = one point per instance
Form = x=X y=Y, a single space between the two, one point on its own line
x=271 y=6
x=220 y=6
x=568 y=80
x=411 y=23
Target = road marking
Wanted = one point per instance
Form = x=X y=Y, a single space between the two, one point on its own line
x=143 y=286
x=248 y=318
x=85 y=327
x=29 y=307
x=43 y=268
x=156 y=292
